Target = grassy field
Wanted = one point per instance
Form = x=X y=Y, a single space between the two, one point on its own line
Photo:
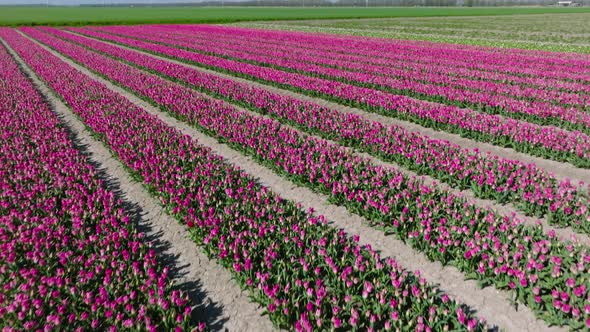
x=550 y=32
x=135 y=15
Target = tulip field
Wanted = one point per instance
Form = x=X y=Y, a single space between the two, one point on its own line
x=452 y=181
x=536 y=32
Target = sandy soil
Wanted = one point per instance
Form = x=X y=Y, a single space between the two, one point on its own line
x=559 y=169
x=489 y=302
x=220 y=301
x=507 y=209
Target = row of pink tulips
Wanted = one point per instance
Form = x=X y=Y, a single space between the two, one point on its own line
x=535 y=191
x=307 y=275
x=495 y=249
x=488 y=96
x=547 y=142
x=564 y=66
x=70 y=259
x=409 y=58
x=409 y=72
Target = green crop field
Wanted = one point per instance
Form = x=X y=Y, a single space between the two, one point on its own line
x=136 y=15
x=257 y=169
x=551 y=32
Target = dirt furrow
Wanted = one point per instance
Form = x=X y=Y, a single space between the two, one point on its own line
x=561 y=170
x=221 y=303
x=507 y=209
x=492 y=304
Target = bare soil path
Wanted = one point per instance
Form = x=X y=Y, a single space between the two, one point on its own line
x=506 y=209
x=560 y=170
x=221 y=303
x=489 y=303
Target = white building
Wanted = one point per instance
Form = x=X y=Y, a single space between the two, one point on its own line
x=568 y=3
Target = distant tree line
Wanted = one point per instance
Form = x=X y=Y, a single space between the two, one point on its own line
x=388 y=3
x=357 y=3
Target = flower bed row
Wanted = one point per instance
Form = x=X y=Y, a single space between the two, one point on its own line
x=561 y=66
x=70 y=257
x=546 y=142
x=503 y=180
x=495 y=249
x=544 y=107
x=411 y=58
x=408 y=76
x=306 y=274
